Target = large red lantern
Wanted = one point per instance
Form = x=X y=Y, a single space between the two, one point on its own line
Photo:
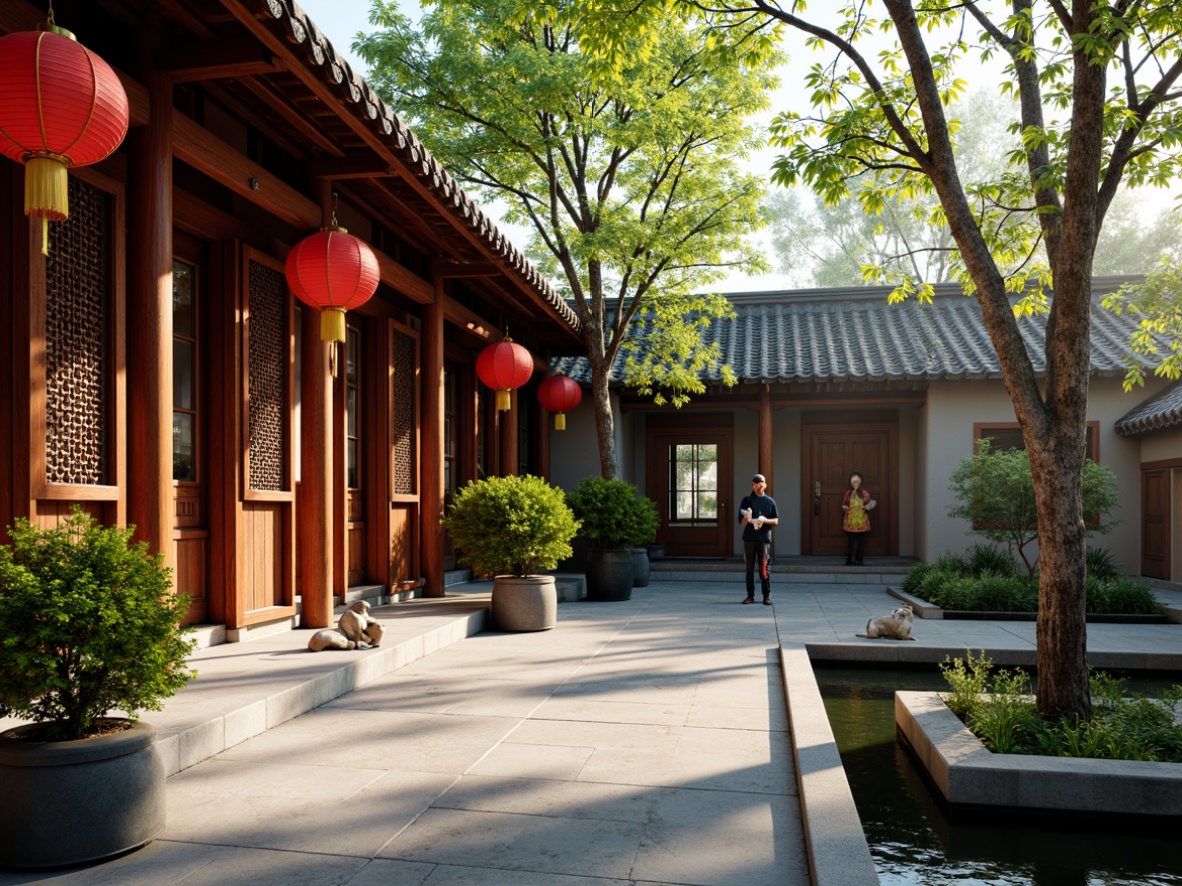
x=60 y=106
x=559 y=394
x=334 y=271
x=504 y=367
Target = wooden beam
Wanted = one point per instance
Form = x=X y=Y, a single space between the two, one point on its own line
x=458 y=315
x=299 y=122
x=349 y=167
x=404 y=280
x=242 y=57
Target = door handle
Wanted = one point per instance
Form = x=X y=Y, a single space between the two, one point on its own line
x=817 y=498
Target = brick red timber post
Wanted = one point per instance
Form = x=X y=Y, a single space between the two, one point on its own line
x=314 y=536
x=431 y=459
x=149 y=326
x=766 y=464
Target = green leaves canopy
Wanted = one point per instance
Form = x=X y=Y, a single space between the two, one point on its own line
x=628 y=179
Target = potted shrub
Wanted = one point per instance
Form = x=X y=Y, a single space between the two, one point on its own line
x=513 y=528
x=614 y=519
x=89 y=636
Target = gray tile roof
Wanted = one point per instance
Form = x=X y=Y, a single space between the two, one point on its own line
x=1155 y=414
x=843 y=335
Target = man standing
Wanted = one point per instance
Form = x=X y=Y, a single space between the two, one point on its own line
x=757 y=516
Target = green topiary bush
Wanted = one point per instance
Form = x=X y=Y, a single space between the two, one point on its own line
x=511 y=525
x=981 y=558
x=88 y=626
x=612 y=514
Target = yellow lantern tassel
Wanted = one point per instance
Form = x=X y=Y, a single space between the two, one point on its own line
x=503 y=400
x=332 y=324
x=46 y=192
x=560 y=421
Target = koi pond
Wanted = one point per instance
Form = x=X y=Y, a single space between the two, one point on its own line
x=912 y=840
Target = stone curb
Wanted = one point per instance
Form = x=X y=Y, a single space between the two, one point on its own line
x=838 y=853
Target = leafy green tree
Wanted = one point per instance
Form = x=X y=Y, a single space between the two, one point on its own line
x=995 y=493
x=630 y=184
x=1097 y=88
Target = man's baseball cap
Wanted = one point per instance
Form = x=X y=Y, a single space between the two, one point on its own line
x=759 y=478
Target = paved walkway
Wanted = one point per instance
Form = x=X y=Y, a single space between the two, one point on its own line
x=642 y=742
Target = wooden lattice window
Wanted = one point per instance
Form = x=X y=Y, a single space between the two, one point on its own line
x=267 y=359
x=353 y=408
x=77 y=334
x=403 y=413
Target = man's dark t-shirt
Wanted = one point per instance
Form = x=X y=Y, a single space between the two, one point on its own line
x=761 y=506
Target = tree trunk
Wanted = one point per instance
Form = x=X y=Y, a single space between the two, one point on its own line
x=1062 y=607
x=605 y=424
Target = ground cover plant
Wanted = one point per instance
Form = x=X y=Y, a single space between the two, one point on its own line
x=999 y=708
x=985 y=579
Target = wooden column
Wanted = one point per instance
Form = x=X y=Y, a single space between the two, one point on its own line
x=314 y=535
x=149 y=327
x=508 y=422
x=766 y=462
x=431 y=459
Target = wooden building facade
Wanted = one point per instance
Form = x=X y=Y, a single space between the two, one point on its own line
x=157 y=371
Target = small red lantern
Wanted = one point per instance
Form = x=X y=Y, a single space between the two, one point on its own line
x=504 y=366
x=559 y=394
x=334 y=271
x=60 y=106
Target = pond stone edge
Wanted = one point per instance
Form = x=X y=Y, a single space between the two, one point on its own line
x=968 y=774
x=838 y=853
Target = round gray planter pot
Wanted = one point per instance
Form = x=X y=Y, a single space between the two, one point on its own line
x=609 y=574
x=74 y=802
x=640 y=567
x=526 y=603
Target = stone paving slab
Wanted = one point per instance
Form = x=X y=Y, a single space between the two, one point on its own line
x=661 y=721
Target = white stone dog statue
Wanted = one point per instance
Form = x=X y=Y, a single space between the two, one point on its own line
x=896 y=626
x=355 y=630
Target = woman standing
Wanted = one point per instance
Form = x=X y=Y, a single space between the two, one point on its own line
x=857 y=505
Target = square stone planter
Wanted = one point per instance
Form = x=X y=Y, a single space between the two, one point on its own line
x=970 y=775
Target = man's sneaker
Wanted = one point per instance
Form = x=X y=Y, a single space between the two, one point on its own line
x=767 y=599
x=750 y=598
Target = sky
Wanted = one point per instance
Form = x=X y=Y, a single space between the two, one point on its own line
x=340 y=20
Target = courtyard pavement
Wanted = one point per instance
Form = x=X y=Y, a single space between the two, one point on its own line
x=639 y=742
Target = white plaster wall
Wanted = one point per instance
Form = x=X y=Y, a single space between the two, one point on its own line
x=953 y=408
x=1161 y=445
x=574 y=453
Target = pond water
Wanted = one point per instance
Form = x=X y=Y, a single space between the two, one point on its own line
x=912 y=840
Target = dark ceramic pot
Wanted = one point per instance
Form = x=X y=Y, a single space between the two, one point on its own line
x=640 y=567
x=609 y=574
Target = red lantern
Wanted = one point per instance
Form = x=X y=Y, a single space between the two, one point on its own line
x=335 y=272
x=504 y=366
x=559 y=394
x=60 y=106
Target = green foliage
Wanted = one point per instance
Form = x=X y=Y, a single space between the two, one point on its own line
x=984 y=579
x=88 y=626
x=511 y=525
x=628 y=179
x=999 y=709
x=995 y=492
x=612 y=514
x=1101 y=563
x=1120 y=596
x=967 y=678
x=1157 y=303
